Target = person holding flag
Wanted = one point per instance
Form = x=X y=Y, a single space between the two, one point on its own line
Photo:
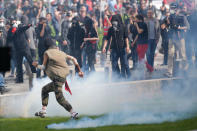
x=55 y=66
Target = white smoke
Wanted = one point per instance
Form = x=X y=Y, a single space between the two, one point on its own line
x=117 y=103
x=133 y=106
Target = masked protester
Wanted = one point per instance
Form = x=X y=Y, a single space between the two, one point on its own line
x=90 y=41
x=119 y=47
x=22 y=49
x=55 y=66
x=76 y=36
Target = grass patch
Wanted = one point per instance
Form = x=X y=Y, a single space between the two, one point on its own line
x=38 y=124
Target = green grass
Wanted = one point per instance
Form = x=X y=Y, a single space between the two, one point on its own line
x=38 y=124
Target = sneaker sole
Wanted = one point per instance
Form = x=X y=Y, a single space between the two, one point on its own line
x=39 y=115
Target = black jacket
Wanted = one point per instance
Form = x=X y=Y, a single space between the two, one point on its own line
x=47 y=33
x=20 y=39
x=76 y=36
x=118 y=37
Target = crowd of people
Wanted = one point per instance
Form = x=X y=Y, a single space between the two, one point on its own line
x=130 y=29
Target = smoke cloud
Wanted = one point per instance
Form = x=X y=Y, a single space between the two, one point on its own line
x=174 y=101
x=120 y=103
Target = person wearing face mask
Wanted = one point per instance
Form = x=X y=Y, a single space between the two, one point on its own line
x=76 y=36
x=66 y=24
x=20 y=41
x=42 y=31
x=118 y=34
x=90 y=41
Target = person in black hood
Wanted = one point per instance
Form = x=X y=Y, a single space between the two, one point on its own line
x=76 y=36
x=20 y=42
x=90 y=41
x=119 y=46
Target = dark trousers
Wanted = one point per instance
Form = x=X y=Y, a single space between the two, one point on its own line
x=91 y=54
x=133 y=55
x=91 y=60
x=19 y=61
x=116 y=54
x=77 y=53
x=33 y=54
x=40 y=61
x=165 y=42
x=104 y=55
x=150 y=54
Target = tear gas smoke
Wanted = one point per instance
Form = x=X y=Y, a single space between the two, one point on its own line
x=122 y=104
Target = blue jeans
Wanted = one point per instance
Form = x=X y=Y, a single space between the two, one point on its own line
x=165 y=43
x=134 y=56
x=150 y=54
x=2 y=83
x=116 y=54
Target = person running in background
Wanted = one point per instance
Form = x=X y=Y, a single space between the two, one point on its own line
x=55 y=66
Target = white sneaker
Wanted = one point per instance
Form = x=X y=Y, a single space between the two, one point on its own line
x=168 y=74
x=41 y=114
x=74 y=115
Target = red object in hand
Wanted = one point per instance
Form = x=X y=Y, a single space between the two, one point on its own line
x=14 y=30
x=67 y=88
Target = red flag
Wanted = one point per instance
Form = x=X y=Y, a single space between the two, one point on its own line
x=67 y=88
